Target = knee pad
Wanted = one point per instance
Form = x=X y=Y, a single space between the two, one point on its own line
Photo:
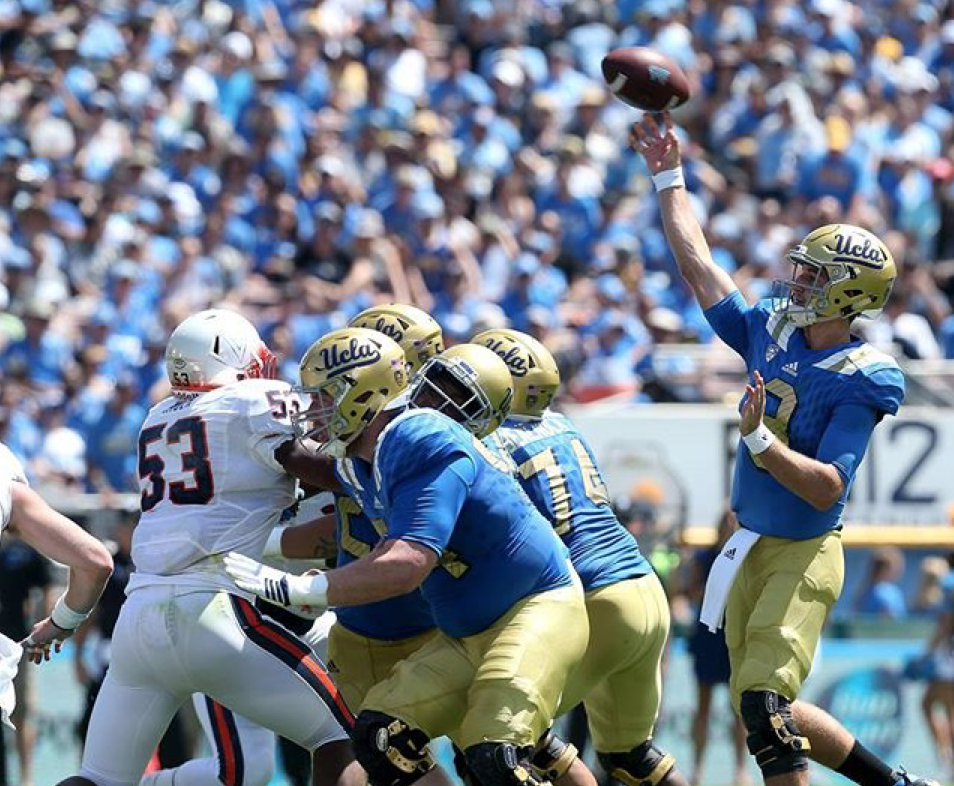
x=644 y=765
x=773 y=736
x=391 y=752
x=552 y=757
x=501 y=764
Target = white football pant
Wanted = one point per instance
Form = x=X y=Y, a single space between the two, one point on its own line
x=170 y=643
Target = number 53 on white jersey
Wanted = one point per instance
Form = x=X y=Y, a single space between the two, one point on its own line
x=209 y=480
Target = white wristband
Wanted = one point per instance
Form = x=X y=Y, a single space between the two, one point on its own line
x=273 y=546
x=760 y=440
x=64 y=617
x=308 y=590
x=670 y=178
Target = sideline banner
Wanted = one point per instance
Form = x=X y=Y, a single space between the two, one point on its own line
x=684 y=453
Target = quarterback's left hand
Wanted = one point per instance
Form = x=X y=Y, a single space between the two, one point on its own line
x=277 y=586
x=754 y=408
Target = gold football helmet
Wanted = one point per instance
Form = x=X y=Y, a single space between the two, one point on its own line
x=536 y=377
x=840 y=271
x=416 y=331
x=469 y=384
x=350 y=375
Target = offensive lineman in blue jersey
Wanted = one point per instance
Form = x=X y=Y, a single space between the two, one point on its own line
x=816 y=395
x=620 y=678
x=368 y=640
x=507 y=603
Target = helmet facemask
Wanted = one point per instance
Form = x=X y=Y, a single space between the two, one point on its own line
x=448 y=387
x=322 y=420
x=804 y=296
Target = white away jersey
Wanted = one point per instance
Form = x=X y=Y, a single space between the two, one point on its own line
x=11 y=471
x=210 y=482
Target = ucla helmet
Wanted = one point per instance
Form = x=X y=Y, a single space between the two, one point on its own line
x=850 y=272
x=469 y=384
x=350 y=375
x=535 y=375
x=415 y=330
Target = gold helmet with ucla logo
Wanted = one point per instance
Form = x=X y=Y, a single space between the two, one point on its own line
x=470 y=384
x=536 y=377
x=415 y=330
x=350 y=375
x=850 y=272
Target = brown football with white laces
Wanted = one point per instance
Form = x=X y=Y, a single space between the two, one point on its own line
x=645 y=79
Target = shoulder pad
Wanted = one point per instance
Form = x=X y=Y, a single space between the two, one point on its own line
x=776 y=321
x=416 y=438
x=864 y=359
x=878 y=380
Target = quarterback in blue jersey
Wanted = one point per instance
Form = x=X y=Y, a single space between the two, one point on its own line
x=816 y=394
x=507 y=603
x=620 y=677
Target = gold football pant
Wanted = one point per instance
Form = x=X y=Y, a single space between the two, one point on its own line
x=500 y=685
x=776 y=609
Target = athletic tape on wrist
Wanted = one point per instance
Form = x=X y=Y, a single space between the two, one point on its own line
x=760 y=440
x=64 y=617
x=670 y=178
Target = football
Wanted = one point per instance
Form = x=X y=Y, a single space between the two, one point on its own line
x=645 y=79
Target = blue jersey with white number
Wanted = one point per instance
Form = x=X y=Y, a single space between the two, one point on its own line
x=822 y=403
x=557 y=469
x=443 y=489
x=357 y=533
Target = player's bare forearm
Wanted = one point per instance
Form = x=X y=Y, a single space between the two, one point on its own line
x=394 y=567
x=659 y=146
x=312 y=540
x=816 y=482
x=709 y=282
x=305 y=463
x=64 y=541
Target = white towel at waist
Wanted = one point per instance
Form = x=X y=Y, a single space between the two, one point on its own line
x=10 y=654
x=722 y=575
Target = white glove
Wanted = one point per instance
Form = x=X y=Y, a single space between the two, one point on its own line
x=277 y=586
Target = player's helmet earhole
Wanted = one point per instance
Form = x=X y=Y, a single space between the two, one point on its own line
x=853 y=293
x=363 y=398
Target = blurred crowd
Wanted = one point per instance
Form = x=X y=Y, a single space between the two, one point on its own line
x=303 y=160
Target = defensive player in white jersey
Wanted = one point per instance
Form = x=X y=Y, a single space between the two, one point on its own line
x=242 y=753
x=210 y=484
x=27 y=514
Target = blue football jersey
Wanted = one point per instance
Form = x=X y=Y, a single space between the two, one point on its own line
x=557 y=469
x=495 y=547
x=354 y=475
x=804 y=387
x=356 y=534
